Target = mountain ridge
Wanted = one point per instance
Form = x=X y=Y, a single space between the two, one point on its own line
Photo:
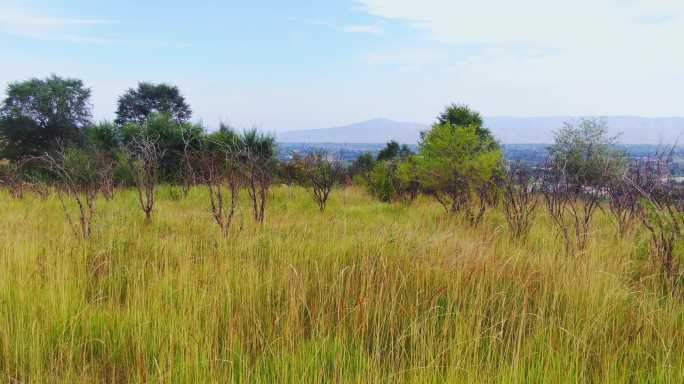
x=507 y=129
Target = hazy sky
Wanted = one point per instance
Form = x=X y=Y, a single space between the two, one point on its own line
x=284 y=65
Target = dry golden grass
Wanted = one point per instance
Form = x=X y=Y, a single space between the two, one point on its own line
x=365 y=292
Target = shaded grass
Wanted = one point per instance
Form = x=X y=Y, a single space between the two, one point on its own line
x=366 y=292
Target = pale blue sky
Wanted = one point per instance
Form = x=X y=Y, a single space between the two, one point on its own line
x=284 y=65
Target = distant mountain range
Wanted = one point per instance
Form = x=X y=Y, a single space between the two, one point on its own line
x=367 y=132
x=509 y=130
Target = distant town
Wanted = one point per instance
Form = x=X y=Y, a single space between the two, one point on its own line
x=533 y=155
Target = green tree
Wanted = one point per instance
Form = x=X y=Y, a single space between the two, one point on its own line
x=224 y=137
x=137 y=105
x=454 y=163
x=586 y=153
x=38 y=113
x=170 y=136
x=394 y=151
x=105 y=136
x=463 y=116
x=362 y=166
x=382 y=181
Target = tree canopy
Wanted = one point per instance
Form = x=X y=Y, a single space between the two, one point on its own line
x=586 y=153
x=38 y=113
x=454 y=161
x=136 y=105
x=462 y=116
x=394 y=151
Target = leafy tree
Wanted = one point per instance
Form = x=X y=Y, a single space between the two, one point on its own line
x=137 y=105
x=38 y=113
x=586 y=153
x=394 y=175
x=390 y=152
x=225 y=136
x=362 y=166
x=463 y=116
x=320 y=176
x=394 y=151
x=382 y=181
x=105 y=136
x=408 y=181
x=455 y=163
x=583 y=164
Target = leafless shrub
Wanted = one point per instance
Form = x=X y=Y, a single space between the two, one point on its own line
x=455 y=196
x=663 y=215
x=320 y=176
x=144 y=155
x=40 y=188
x=219 y=171
x=571 y=206
x=469 y=195
x=188 y=173
x=108 y=185
x=257 y=174
x=291 y=172
x=519 y=201
x=77 y=176
x=624 y=200
x=488 y=193
x=13 y=178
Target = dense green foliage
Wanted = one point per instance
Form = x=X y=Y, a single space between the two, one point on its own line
x=586 y=153
x=463 y=116
x=454 y=162
x=136 y=105
x=38 y=113
x=394 y=151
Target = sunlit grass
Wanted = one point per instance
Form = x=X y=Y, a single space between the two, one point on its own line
x=363 y=292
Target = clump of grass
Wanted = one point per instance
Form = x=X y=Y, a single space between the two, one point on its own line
x=365 y=292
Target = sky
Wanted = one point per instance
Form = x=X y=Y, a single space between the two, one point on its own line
x=288 y=65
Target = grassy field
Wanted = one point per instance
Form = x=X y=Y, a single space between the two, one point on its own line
x=366 y=292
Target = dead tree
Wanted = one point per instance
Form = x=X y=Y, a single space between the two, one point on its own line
x=456 y=194
x=188 y=173
x=12 y=177
x=144 y=155
x=218 y=170
x=258 y=176
x=488 y=193
x=321 y=175
x=519 y=201
x=571 y=206
x=665 y=222
x=624 y=201
x=663 y=214
x=108 y=165
x=77 y=176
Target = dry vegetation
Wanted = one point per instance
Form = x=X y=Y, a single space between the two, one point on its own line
x=364 y=292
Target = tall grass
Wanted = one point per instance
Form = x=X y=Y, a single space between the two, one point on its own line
x=365 y=292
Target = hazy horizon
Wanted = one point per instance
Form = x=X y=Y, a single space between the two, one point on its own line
x=508 y=130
